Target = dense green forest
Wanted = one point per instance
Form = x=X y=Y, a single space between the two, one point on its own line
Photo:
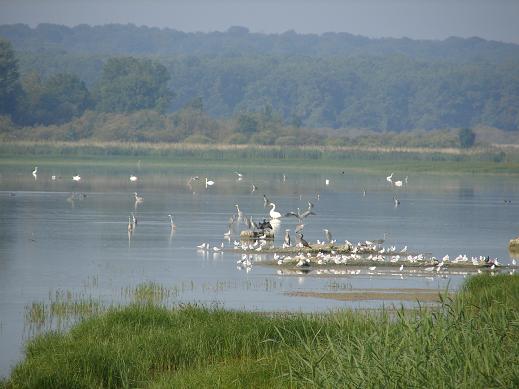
x=137 y=83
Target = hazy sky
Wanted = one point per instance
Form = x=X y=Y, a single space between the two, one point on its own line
x=422 y=19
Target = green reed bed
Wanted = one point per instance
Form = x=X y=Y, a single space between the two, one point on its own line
x=487 y=159
x=469 y=341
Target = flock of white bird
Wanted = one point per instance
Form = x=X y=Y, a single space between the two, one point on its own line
x=362 y=251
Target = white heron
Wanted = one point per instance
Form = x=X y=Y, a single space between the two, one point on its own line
x=77 y=178
x=173 y=226
x=390 y=178
x=208 y=182
x=35 y=172
x=327 y=235
x=273 y=213
x=399 y=183
x=133 y=178
x=138 y=199
x=327 y=182
x=239 y=176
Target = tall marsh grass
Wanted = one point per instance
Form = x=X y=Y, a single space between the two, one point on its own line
x=218 y=152
x=470 y=341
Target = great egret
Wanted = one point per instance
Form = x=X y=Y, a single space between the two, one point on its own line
x=35 y=172
x=390 y=178
x=173 y=226
x=273 y=213
x=133 y=178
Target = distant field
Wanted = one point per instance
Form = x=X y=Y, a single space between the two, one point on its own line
x=494 y=159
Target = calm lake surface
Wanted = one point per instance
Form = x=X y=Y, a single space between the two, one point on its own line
x=51 y=243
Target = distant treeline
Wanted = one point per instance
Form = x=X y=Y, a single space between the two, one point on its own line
x=264 y=88
x=116 y=39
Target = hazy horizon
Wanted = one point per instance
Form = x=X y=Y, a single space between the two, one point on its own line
x=415 y=19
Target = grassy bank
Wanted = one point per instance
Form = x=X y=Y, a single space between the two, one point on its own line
x=470 y=341
x=479 y=160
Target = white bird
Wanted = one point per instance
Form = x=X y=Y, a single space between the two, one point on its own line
x=35 y=172
x=133 y=178
x=77 y=177
x=138 y=199
x=130 y=224
x=240 y=176
x=401 y=267
x=173 y=226
x=398 y=183
x=514 y=262
x=208 y=182
x=53 y=177
x=273 y=213
x=327 y=182
x=390 y=178
x=203 y=246
x=371 y=268
x=404 y=249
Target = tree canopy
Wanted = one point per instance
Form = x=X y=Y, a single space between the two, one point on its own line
x=9 y=78
x=129 y=84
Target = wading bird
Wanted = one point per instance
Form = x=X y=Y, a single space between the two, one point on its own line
x=273 y=213
x=208 y=182
x=35 y=172
x=239 y=175
x=77 y=177
x=173 y=226
x=390 y=178
x=286 y=239
x=327 y=235
x=133 y=178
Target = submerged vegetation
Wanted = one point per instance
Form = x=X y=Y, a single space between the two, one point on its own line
x=468 y=341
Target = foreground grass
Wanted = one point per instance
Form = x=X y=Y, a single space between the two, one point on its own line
x=471 y=341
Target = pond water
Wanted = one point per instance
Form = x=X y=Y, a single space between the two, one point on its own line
x=52 y=242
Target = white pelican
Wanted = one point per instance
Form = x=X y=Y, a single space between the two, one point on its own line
x=77 y=177
x=133 y=178
x=273 y=213
x=35 y=172
x=390 y=178
x=173 y=226
x=208 y=182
